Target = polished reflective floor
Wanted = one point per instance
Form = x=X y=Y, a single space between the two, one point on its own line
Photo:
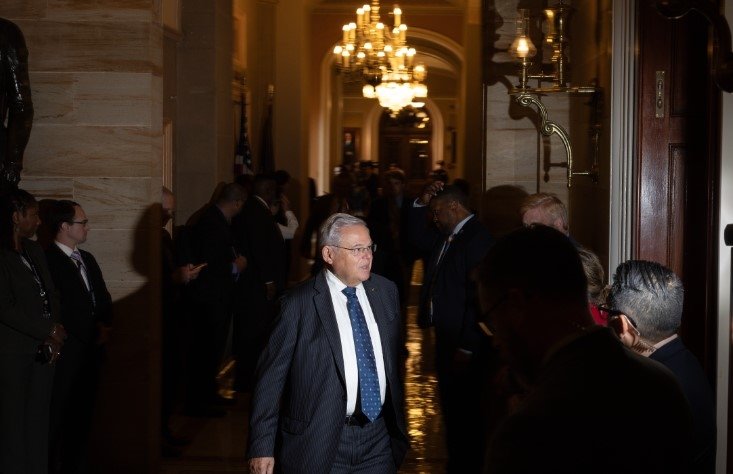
x=218 y=444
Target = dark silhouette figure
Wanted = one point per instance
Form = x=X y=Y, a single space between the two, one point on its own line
x=16 y=107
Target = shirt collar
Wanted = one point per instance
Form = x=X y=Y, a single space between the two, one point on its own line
x=665 y=341
x=67 y=250
x=460 y=225
x=335 y=283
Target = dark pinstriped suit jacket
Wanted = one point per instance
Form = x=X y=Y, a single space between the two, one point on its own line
x=299 y=402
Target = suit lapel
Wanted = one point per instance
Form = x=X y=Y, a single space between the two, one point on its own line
x=327 y=315
x=73 y=269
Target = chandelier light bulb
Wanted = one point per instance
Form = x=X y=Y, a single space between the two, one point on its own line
x=381 y=51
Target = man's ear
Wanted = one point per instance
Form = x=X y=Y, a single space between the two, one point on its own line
x=327 y=254
x=622 y=326
x=558 y=224
x=16 y=217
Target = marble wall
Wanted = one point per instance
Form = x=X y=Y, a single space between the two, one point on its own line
x=516 y=154
x=95 y=73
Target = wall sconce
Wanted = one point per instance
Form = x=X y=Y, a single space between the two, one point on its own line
x=523 y=49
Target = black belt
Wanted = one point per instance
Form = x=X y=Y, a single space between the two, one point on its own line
x=358 y=419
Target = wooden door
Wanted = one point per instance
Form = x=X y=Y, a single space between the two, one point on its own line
x=677 y=167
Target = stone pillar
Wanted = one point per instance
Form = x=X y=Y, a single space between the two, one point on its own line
x=95 y=71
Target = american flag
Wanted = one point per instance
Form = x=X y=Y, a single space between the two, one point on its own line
x=243 y=154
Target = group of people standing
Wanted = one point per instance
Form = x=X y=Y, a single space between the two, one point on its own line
x=528 y=380
x=55 y=317
x=223 y=273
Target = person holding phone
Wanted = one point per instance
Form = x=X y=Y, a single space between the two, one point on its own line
x=30 y=338
x=209 y=299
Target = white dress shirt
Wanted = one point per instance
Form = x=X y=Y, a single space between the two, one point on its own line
x=67 y=250
x=351 y=370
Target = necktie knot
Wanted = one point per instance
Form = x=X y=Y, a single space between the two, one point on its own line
x=76 y=256
x=349 y=291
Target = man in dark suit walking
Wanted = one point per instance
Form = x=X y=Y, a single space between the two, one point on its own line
x=259 y=238
x=329 y=395
x=209 y=297
x=86 y=314
x=464 y=359
x=646 y=300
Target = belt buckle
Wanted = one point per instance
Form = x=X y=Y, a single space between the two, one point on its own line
x=353 y=420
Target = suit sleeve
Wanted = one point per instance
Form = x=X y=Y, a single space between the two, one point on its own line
x=420 y=234
x=103 y=310
x=264 y=246
x=475 y=253
x=215 y=247
x=272 y=372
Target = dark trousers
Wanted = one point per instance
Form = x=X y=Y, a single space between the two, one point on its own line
x=253 y=320
x=72 y=406
x=25 y=397
x=209 y=332
x=462 y=392
x=171 y=359
x=364 y=450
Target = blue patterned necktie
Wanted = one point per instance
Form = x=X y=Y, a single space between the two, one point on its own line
x=371 y=402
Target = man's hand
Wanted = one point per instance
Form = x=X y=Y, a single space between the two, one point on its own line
x=55 y=349
x=58 y=334
x=261 y=465
x=430 y=191
x=284 y=203
x=241 y=263
x=185 y=273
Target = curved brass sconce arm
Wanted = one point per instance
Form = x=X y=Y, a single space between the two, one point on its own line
x=548 y=128
x=722 y=63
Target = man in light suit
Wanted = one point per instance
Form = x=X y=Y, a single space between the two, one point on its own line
x=329 y=395
x=464 y=359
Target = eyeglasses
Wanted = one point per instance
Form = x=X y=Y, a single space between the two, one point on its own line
x=484 y=323
x=610 y=313
x=84 y=222
x=358 y=251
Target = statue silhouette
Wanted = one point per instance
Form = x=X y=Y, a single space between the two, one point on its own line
x=16 y=107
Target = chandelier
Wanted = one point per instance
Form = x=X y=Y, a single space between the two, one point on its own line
x=381 y=58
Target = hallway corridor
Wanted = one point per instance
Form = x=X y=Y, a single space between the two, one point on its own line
x=218 y=444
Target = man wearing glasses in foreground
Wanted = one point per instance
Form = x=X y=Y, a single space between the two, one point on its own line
x=591 y=405
x=645 y=309
x=329 y=396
